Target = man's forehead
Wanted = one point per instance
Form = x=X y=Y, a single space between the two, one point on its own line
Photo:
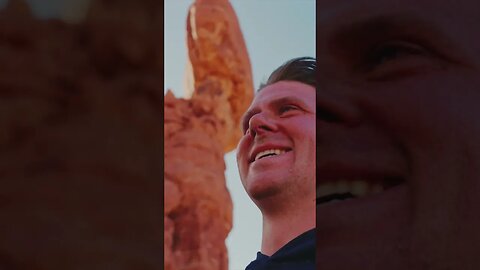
x=348 y=26
x=328 y=10
x=283 y=91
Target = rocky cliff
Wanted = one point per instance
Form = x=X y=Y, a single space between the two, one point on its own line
x=198 y=132
x=80 y=139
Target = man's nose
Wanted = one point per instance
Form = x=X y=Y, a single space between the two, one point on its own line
x=260 y=124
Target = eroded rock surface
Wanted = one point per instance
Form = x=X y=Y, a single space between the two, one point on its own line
x=198 y=132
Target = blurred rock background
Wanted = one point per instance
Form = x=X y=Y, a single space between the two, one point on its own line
x=80 y=135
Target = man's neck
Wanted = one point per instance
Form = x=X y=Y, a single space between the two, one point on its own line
x=282 y=227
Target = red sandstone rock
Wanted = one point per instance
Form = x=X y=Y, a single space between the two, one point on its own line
x=198 y=132
x=79 y=140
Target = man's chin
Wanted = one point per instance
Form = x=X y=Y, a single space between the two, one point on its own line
x=263 y=193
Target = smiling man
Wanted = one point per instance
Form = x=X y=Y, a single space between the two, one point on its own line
x=276 y=160
x=398 y=135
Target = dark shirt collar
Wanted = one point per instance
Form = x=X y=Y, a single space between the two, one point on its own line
x=297 y=254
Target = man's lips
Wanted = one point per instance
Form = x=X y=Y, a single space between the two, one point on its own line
x=267 y=149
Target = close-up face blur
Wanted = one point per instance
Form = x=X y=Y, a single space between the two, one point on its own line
x=398 y=149
x=276 y=155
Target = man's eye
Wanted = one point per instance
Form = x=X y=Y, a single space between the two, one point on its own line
x=285 y=108
x=391 y=52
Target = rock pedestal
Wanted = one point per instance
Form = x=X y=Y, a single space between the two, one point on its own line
x=198 y=132
x=80 y=139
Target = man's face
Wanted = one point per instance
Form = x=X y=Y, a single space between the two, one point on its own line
x=399 y=126
x=276 y=155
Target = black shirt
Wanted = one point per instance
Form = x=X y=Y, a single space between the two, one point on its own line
x=298 y=254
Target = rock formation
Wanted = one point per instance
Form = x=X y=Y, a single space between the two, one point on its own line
x=198 y=132
x=80 y=147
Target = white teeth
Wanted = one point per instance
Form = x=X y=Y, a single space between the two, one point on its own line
x=269 y=152
x=376 y=189
x=342 y=186
x=326 y=189
x=358 y=188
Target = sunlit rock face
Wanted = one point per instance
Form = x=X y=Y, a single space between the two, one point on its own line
x=198 y=132
x=80 y=139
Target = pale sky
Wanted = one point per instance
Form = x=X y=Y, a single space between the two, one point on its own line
x=274 y=31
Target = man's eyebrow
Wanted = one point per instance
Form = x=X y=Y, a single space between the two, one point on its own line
x=287 y=99
x=357 y=36
x=379 y=26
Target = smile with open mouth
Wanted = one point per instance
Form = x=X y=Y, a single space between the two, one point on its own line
x=353 y=188
x=267 y=152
